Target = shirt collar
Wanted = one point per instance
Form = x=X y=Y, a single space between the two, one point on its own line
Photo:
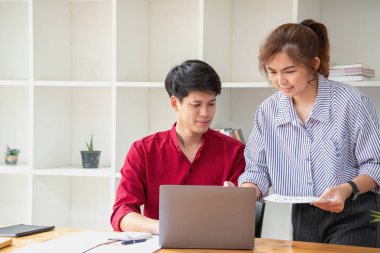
x=286 y=113
x=321 y=109
x=174 y=137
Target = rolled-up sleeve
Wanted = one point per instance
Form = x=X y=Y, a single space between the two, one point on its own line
x=368 y=141
x=256 y=170
x=131 y=190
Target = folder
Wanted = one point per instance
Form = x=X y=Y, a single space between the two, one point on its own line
x=23 y=230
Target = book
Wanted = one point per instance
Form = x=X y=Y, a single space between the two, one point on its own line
x=352 y=72
x=4 y=242
x=23 y=230
x=234 y=133
x=349 y=78
x=346 y=66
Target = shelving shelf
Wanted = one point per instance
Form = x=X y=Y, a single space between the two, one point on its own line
x=11 y=169
x=72 y=68
x=14 y=83
x=75 y=171
x=71 y=84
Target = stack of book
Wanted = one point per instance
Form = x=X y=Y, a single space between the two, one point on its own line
x=234 y=133
x=351 y=72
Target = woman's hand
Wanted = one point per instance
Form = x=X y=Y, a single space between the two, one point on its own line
x=332 y=199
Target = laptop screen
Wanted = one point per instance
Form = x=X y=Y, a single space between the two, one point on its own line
x=209 y=217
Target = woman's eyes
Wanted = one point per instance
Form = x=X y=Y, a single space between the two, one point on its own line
x=286 y=72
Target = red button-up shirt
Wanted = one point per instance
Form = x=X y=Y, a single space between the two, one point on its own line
x=157 y=159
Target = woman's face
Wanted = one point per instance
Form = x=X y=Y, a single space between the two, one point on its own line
x=290 y=78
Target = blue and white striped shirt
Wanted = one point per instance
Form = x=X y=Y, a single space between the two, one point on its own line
x=340 y=140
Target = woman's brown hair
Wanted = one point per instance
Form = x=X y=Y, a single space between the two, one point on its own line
x=301 y=42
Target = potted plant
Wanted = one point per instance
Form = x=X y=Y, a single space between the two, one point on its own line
x=90 y=158
x=11 y=155
x=375 y=215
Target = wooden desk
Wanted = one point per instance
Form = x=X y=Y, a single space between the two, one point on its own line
x=262 y=245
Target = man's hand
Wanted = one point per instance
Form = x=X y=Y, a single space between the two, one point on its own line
x=228 y=184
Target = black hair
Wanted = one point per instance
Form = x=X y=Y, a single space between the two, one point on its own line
x=192 y=75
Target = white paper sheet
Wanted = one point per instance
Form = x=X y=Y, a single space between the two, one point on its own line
x=294 y=199
x=79 y=242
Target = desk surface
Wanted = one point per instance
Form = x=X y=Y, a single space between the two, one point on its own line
x=261 y=245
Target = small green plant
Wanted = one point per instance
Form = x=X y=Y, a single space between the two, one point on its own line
x=375 y=215
x=90 y=147
x=11 y=151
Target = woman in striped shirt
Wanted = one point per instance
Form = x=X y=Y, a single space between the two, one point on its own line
x=315 y=137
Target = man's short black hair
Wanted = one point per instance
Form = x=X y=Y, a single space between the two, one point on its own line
x=192 y=75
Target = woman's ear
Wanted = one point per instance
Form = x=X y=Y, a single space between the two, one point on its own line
x=315 y=63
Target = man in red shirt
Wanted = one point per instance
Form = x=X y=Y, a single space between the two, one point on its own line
x=188 y=154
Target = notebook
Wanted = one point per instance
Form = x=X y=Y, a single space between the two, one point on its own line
x=23 y=230
x=207 y=217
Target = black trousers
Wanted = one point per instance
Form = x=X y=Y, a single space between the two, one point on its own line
x=352 y=226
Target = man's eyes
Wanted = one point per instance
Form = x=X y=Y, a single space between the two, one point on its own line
x=196 y=105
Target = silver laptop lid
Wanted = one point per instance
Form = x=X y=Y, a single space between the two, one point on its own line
x=208 y=217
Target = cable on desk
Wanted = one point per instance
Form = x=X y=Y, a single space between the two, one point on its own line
x=101 y=244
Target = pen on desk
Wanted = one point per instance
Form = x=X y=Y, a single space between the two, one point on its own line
x=132 y=241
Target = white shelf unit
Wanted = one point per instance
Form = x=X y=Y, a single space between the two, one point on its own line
x=72 y=68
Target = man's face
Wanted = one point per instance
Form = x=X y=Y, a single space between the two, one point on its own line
x=196 y=111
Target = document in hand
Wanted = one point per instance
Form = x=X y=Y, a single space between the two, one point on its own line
x=294 y=199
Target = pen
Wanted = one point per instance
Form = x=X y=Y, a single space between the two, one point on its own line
x=132 y=241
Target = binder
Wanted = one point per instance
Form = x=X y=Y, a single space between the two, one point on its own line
x=23 y=230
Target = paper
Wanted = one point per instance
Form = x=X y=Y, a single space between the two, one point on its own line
x=82 y=241
x=294 y=199
x=129 y=236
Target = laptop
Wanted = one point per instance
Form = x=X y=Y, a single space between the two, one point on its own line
x=207 y=217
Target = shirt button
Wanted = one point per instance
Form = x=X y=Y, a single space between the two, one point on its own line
x=310 y=183
x=307 y=159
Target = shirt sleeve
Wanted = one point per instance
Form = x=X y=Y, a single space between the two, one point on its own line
x=130 y=194
x=256 y=170
x=368 y=141
x=238 y=166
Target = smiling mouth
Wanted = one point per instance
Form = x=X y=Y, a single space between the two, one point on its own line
x=286 y=89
